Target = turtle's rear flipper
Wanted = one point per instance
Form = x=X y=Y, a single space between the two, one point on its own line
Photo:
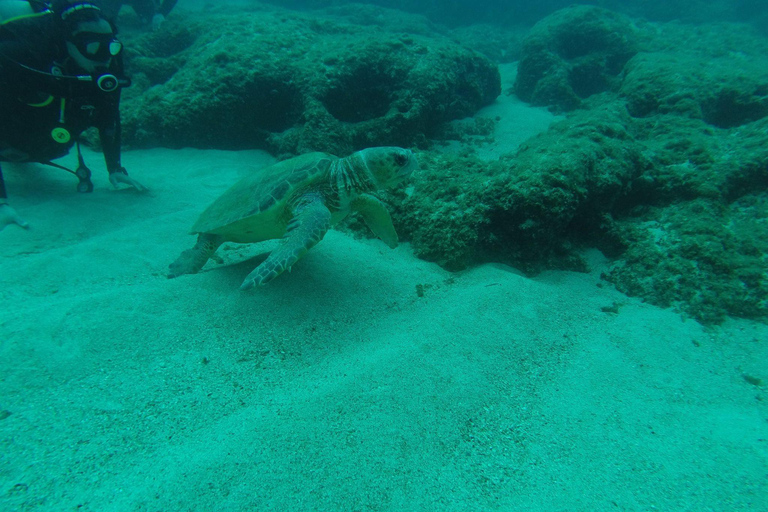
x=309 y=225
x=192 y=260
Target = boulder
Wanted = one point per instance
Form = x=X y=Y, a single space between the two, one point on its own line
x=572 y=54
x=290 y=82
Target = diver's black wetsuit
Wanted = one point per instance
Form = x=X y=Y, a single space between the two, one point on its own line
x=41 y=116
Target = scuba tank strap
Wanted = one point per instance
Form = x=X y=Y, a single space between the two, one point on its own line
x=83 y=173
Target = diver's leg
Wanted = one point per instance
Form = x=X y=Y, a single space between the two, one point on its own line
x=7 y=214
x=3 y=192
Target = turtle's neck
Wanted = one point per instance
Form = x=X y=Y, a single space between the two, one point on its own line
x=350 y=176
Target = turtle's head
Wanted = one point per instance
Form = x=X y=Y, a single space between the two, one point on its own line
x=388 y=165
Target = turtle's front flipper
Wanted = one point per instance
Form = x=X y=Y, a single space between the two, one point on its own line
x=192 y=260
x=376 y=218
x=311 y=220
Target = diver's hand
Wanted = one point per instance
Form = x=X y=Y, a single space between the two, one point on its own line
x=157 y=20
x=9 y=216
x=118 y=177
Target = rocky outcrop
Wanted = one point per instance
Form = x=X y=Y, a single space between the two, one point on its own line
x=290 y=83
x=573 y=54
x=665 y=169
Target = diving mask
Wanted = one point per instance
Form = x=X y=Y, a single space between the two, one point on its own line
x=97 y=46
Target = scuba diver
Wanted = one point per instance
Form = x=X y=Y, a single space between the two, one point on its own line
x=151 y=12
x=61 y=72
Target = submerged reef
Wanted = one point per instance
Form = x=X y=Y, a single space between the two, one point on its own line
x=661 y=160
x=530 y=209
x=664 y=168
x=573 y=54
x=526 y=12
x=703 y=257
x=695 y=235
x=685 y=219
x=291 y=82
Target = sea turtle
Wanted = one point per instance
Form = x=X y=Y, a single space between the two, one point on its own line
x=297 y=200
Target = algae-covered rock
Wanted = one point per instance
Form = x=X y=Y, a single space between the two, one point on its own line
x=530 y=208
x=664 y=166
x=291 y=82
x=718 y=73
x=572 y=54
x=445 y=212
x=684 y=153
x=560 y=184
x=702 y=257
x=722 y=92
x=687 y=231
x=692 y=234
x=692 y=159
x=665 y=170
x=516 y=12
x=678 y=204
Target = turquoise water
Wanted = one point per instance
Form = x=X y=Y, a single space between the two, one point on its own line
x=574 y=318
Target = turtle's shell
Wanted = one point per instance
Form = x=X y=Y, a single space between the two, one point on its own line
x=254 y=208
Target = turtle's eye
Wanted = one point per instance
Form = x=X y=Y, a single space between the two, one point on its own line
x=400 y=159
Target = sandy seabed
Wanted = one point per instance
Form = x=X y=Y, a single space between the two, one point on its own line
x=364 y=380
x=337 y=386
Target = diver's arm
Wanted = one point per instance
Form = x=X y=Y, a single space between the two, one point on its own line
x=162 y=11
x=8 y=215
x=110 y=142
x=111 y=8
x=166 y=7
x=110 y=136
x=144 y=9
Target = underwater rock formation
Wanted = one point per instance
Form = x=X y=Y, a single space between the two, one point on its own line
x=666 y=173
x=695 y=236
x=715 y=73
x=703 y=257
x=290 y=82
x=527 y=209
x=572 y=54
x=661 y=162
x=681 y=207
x=526 y=12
